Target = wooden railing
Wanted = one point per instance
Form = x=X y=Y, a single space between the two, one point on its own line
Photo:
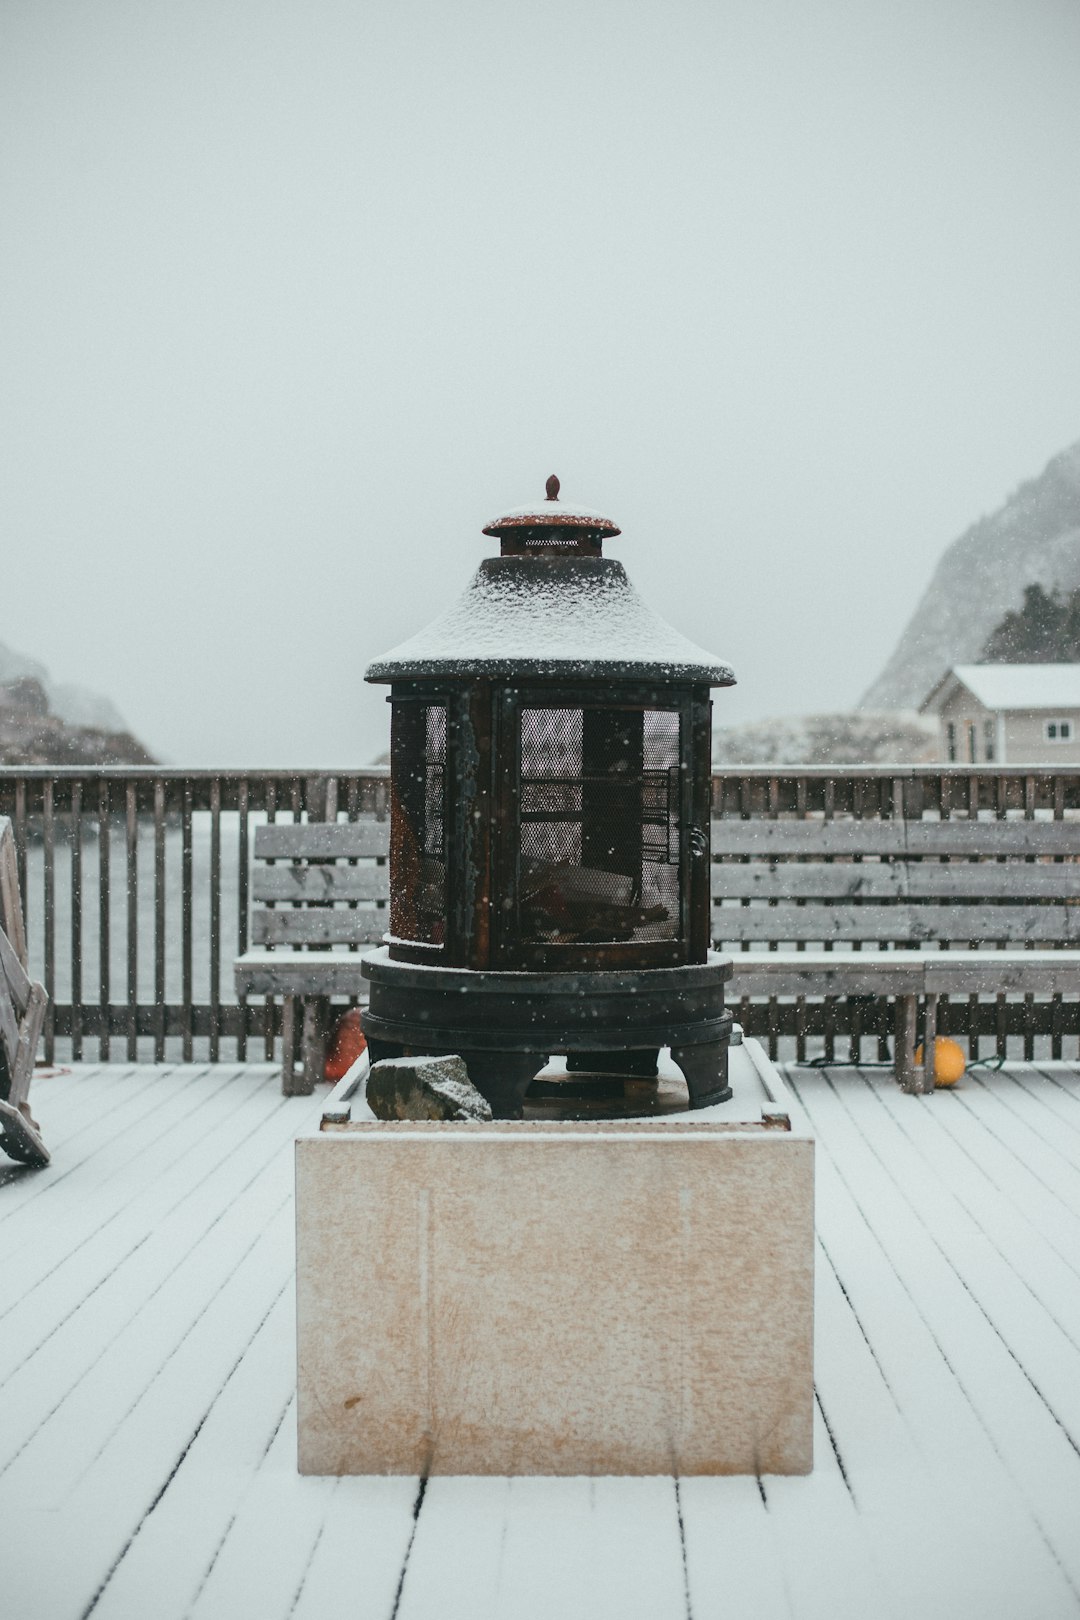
x=136 y=885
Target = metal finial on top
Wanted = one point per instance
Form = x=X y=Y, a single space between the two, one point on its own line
x=552 y=487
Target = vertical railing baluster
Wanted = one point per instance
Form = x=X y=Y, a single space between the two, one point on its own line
x=48 y=832
x=1029 y=1000
x=352 y=810
x=104 y=979
x=20 y=857
x=186 y=920
x=828 y=1016
x=76 y=921
x=242 y=859
x=268 y=1001
x=215 y=919
x=1057 y=1006
x=132 y=850
x=159 y=920
x=973 y=1000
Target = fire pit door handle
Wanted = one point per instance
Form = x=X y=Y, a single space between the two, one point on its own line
x=699 y=844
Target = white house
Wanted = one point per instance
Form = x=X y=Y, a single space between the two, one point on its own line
x=1008 y=714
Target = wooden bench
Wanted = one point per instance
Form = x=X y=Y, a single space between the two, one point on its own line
x=320 y=890
x=22 y=1013
x=907 y=909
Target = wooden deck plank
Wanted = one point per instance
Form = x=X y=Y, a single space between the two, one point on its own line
x=608 y=1548
x=453 y=1565
x=57 y=1435
x=107 y=1452
x=589 y=1549
x=357 y=1562
x=1054 y=1085
x=923 y=1468
x=991 y=1262
x=798 y=1510
x=235 y=1494
x=103 y=1100
x=1036 y=1264
x=731 y=1561
x=1060 y=1131
x=1025 y=1439
x=110 y=1223
x=978 y=1137
x=106 y=1143
x=264 y=1556
x=74 y=1319
x=1030 y=1161
x=173 y=1549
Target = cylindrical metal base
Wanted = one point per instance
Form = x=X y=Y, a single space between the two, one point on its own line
x=504 y=1021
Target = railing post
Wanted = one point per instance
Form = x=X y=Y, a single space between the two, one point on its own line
x=48 y=839
x=104 y=983
x=76 y=921
x=159 y=920
x=132 y=873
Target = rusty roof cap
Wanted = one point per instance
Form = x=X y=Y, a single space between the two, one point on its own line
x=551 y=514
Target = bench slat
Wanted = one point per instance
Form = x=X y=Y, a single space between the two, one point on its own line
x=320 y=883
x=322 y=840
x=297 y=973
x=769 y=839
x=732 y=924
x=879 y=880
x=319 y=927
x=815 y=973
x=851 y=973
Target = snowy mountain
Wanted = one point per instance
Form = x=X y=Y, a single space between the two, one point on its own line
x=1033 y=539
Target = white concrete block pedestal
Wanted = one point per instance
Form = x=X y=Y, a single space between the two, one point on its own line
x=629 y=1296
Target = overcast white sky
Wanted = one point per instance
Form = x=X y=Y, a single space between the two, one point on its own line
x=295 y=296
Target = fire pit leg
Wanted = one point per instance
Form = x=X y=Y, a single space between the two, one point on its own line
x=641 y=1063
x=705 y=1072
x=503 y=1078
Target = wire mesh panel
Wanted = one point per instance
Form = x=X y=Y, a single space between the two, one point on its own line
x=418 y=823
x=599 y=857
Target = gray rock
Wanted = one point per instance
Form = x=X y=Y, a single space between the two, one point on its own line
x=424 y=1088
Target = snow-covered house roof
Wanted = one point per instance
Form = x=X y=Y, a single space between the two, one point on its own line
x=1010 y=686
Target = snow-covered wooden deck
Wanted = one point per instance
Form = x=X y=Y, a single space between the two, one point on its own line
x=148 y=1433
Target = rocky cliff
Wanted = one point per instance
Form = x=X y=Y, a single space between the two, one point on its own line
x=45 y=724
x=1033 y=539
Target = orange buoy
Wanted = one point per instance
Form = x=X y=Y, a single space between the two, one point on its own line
x=345 y=1045
x=949 y=1061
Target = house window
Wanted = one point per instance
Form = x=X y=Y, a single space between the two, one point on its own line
x=989 y=738
x=1058 y=731
x=971 y=741
x=950 y=742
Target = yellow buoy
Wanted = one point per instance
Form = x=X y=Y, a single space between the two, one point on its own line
x=949 y=1062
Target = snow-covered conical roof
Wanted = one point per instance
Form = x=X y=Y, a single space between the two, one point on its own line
x=551 y=616
x=548 y=615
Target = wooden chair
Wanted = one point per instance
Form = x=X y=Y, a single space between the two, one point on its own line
x=22 y=1013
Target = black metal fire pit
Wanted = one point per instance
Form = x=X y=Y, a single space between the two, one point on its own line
x=549 y=848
